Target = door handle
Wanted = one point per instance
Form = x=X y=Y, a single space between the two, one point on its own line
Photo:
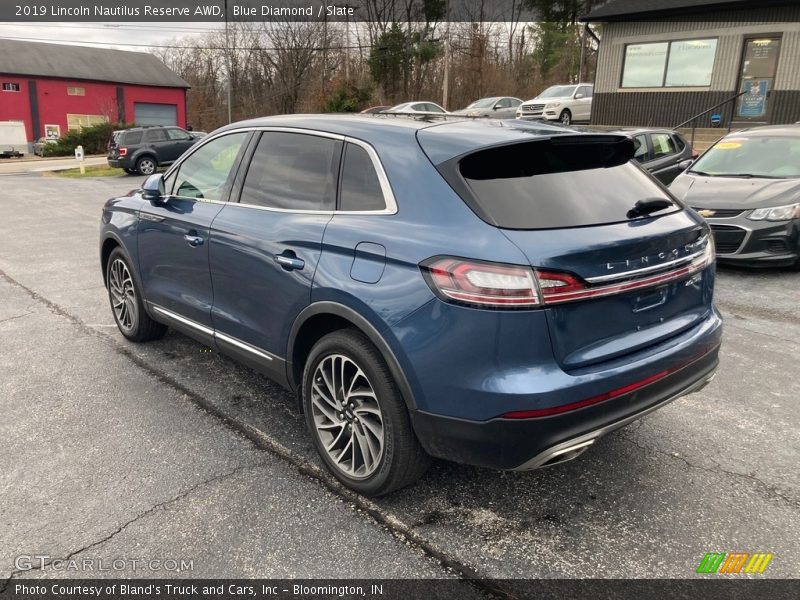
x=194 y=240
x=290 y=263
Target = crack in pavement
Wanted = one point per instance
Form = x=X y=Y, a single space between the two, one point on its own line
x=717 y=470
x=391 y=523
x=126 y=524
x=769 y=335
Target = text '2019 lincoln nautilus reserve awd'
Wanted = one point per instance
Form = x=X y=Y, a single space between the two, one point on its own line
x=497 y=293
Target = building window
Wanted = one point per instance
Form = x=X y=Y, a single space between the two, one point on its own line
x=10 y=87
x=76 y=91
x=680 y=63
x=78 y=122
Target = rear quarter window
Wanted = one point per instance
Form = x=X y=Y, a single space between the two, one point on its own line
x=551 y=185
x=360 y=187
x=132 y=138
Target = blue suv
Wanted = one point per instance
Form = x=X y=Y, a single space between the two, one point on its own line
x=495 y=293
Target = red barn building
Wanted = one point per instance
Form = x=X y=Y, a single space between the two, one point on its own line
x=53 y=88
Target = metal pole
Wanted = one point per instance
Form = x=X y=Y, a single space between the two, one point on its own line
x=583 y=53
x=228 y=61
x=347 y=49
x=446 y=82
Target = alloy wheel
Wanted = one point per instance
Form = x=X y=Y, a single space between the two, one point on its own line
x=347 y=416
x=123 y=295
x=565 y=118
x=147 y=166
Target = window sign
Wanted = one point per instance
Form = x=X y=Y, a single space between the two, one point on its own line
x=644 y=65
x=679 y=63
x=691 y=63
x=754 y=102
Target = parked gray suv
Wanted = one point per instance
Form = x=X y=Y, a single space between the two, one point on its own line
x=143 y=149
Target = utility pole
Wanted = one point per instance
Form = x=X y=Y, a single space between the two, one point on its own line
x=446 y=82
x=347 y=47
x=228 y=61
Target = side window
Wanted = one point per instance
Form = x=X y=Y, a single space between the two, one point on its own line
x=132 y=138
x=155 y=135
x=360 y=188
x=292 y=171
x=205 y=172
x=514 y=102
x=662 y=145
x=178 y=134
x=679 y=143
x=505 y=103
x=641 y=153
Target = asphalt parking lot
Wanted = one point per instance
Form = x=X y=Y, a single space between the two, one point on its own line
x=110 y=449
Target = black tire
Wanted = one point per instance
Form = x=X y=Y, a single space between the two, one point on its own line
x=138 y=326
x=402 y=459
x=565 y=117
x=146 y=165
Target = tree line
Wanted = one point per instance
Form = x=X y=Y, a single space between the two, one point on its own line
x=335 y=66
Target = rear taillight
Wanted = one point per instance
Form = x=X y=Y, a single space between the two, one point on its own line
x=695 y=153
x=481 y=283
x=495 y=285
x=123 y=152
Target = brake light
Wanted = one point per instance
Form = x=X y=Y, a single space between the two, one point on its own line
x=123 y=152
x=495 y=285
x=482 y=284
x=695 y=153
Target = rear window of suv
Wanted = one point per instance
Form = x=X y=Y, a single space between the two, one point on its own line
x=553 y=184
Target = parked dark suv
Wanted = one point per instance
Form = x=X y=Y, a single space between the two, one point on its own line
x=495 y=293
x=143 y=149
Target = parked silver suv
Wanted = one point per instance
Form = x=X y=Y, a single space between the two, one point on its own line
x=565 y=103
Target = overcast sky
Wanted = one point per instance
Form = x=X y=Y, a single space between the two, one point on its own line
x=123 y=36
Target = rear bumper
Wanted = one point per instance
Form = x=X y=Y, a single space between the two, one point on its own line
x=523 y=444
x=119 y=163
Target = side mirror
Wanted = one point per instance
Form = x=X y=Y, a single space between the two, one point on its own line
x=497 y=106
x=578 y=96
x=685 y=164
x=153 y=188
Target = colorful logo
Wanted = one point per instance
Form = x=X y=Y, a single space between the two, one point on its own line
x=734 y=562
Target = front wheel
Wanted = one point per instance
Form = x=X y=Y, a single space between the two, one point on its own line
x=126 y=302
x=565 y=117
x=357 y=417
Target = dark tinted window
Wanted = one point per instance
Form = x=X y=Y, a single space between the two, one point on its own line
x=292 y=171
x=641 y=153
x=543 y=185
x=361 y=189
x=132 y=138
x=155 y=135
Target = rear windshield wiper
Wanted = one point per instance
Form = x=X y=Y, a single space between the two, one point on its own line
x=647 y=206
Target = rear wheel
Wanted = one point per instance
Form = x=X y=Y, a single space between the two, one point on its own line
x=357 y=417
x=146 y=165
x=565 y=117
x=126 y=302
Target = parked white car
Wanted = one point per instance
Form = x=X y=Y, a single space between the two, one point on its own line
x=417 y=108
x=565 y=103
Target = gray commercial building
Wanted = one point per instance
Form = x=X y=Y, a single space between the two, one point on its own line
x=663 y=61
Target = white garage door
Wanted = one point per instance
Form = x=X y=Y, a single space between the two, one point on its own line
x=155 y=114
